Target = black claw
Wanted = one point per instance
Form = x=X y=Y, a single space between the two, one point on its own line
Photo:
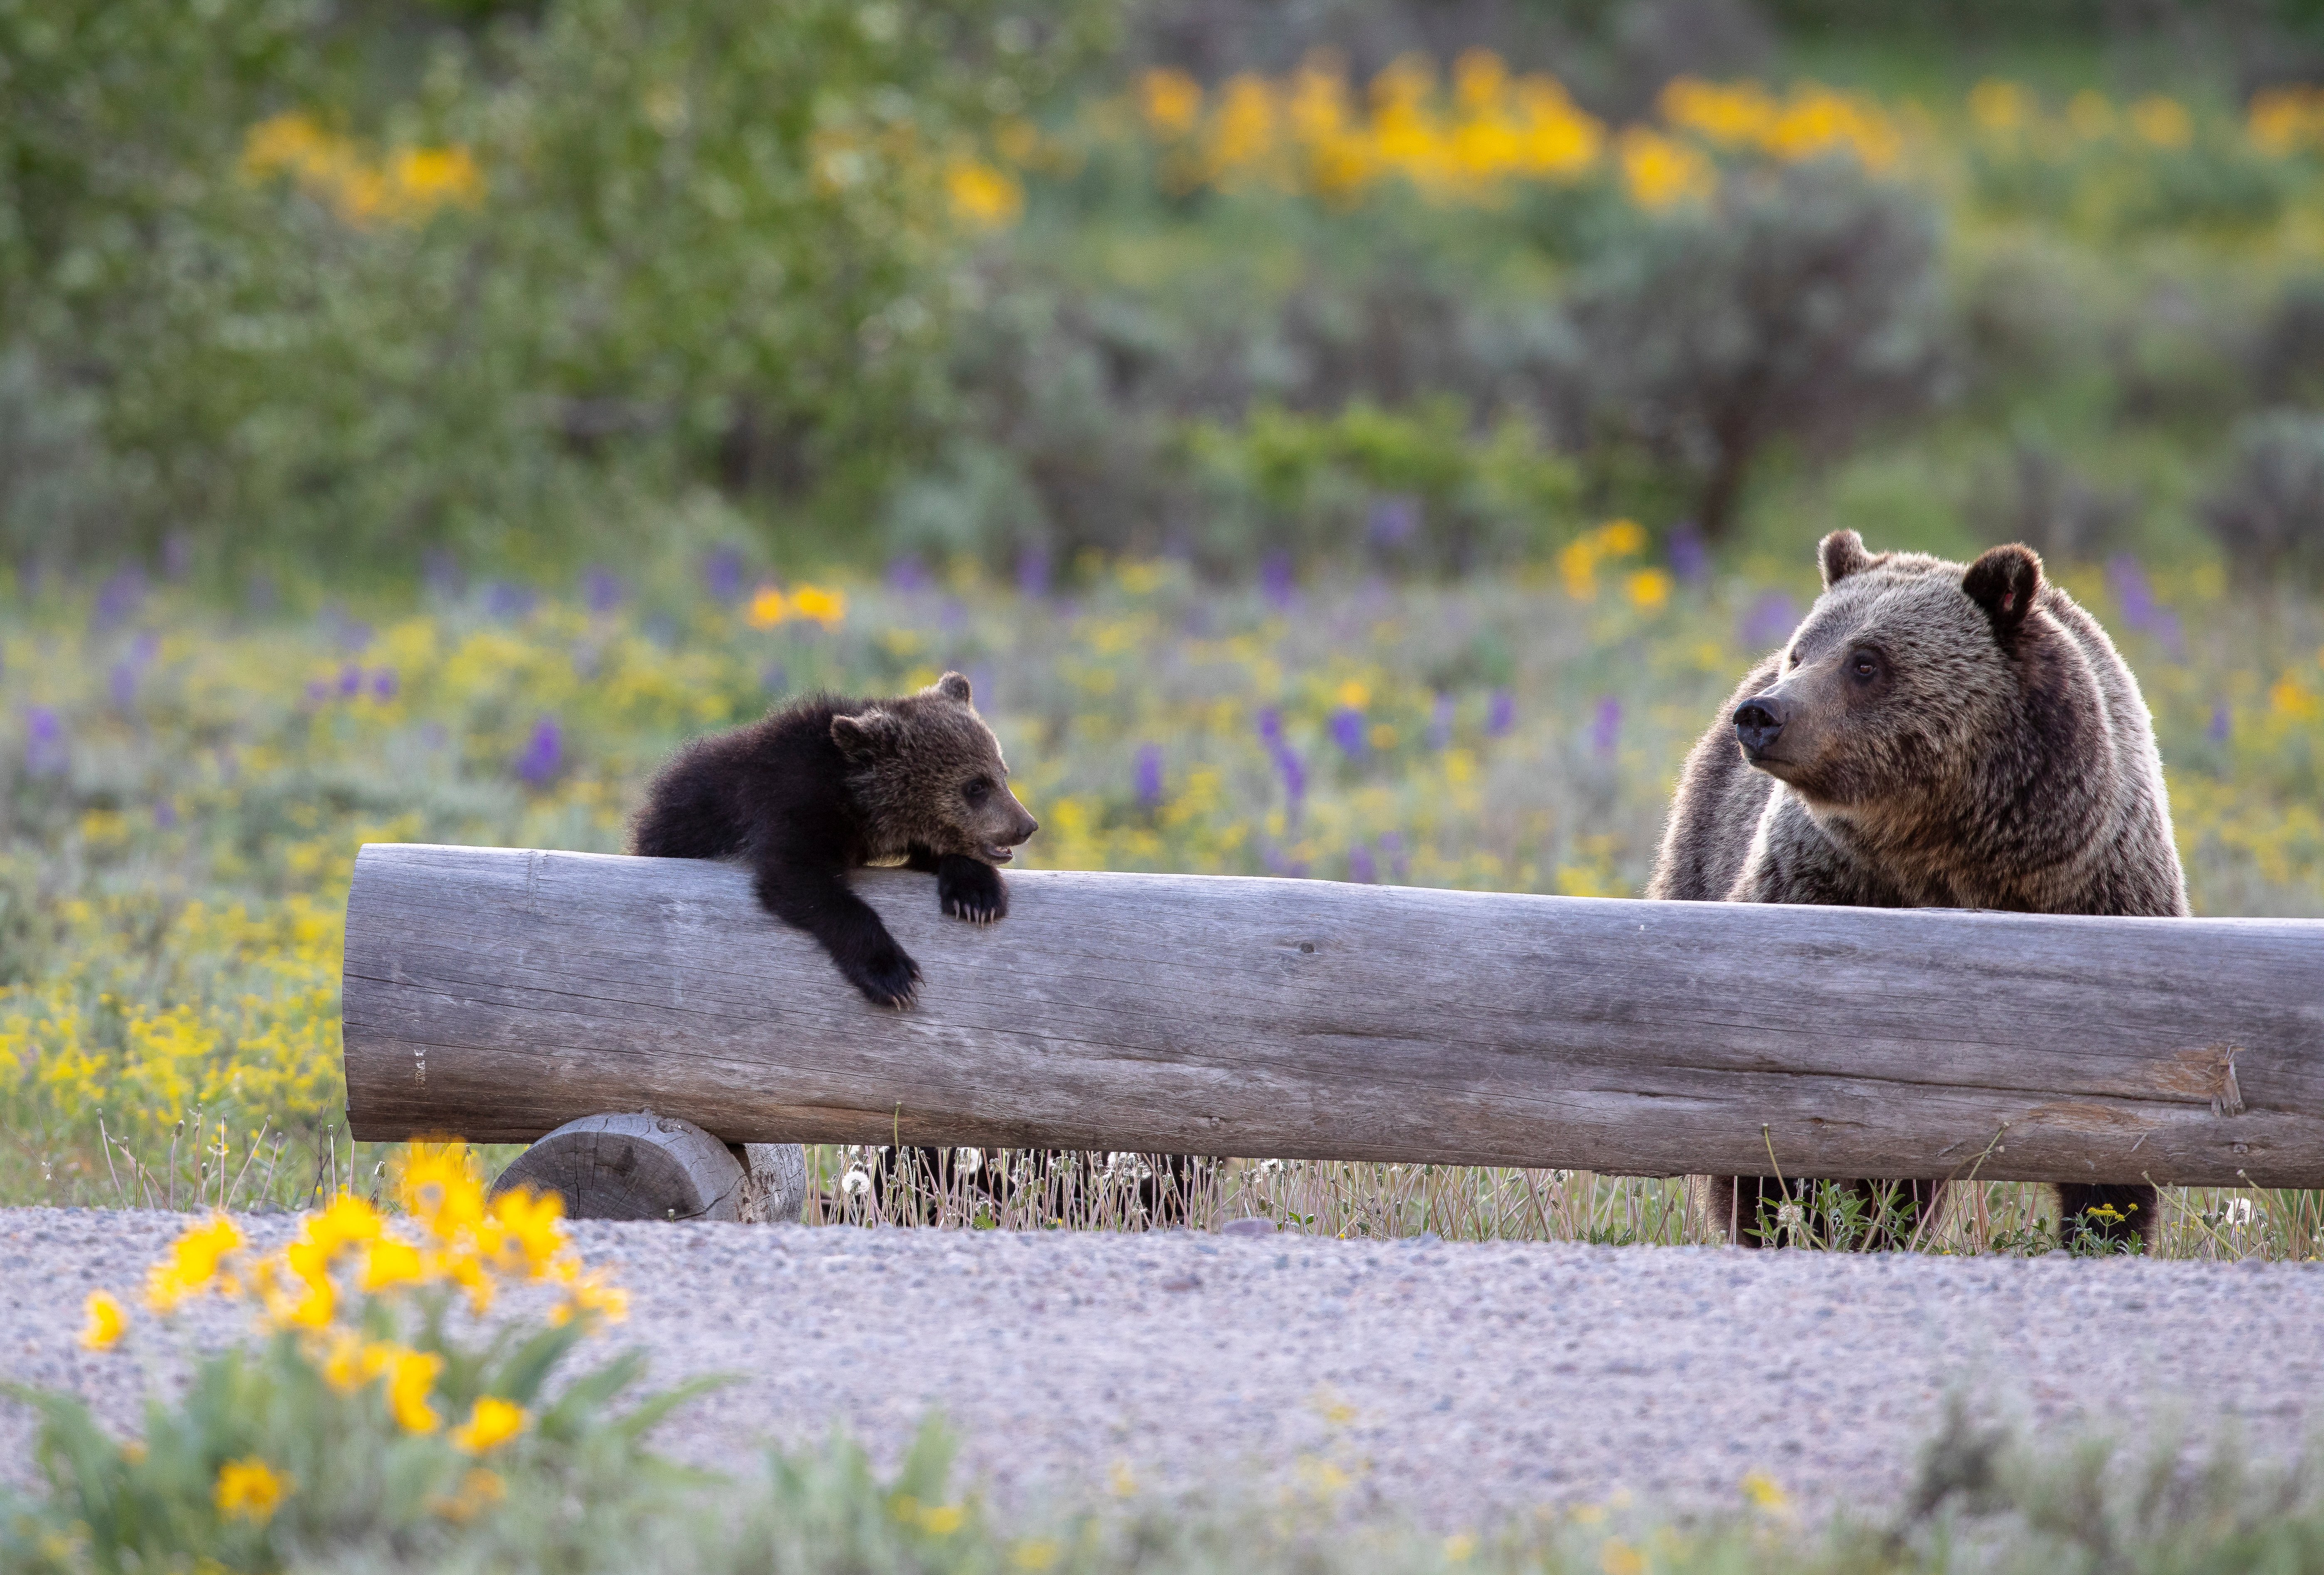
x=969 y=889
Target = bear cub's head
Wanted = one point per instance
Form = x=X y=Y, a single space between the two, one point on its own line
x=926 y=770
x=1907 y=672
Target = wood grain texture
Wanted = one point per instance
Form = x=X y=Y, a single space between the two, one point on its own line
x=496 y=993
x=633 y=1167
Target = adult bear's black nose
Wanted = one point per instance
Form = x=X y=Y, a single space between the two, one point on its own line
x=1758 y=722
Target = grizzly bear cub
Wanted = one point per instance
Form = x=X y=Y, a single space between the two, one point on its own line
x=1934 y=734
x=825 y=785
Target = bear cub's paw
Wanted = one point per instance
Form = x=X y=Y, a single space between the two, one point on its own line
x=970 y=890
x=885 y=973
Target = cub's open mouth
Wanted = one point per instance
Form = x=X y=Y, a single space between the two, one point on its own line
x=997 y=853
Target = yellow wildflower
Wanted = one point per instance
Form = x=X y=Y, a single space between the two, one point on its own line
x=345 y=1368
x=1171 y=101
x=534 y=1224
x=1661 y=172
x=491 y=1421
x=1649 y=588
x=1619 y=1558
x=826 y=607
x=108 y=1321
x=192 y=1265
x=767 y=608
x=390 y=1262
x=479 y=1489
x=438 y=1184
x=249 y=1489
x=1035 y=1554
x=2164 y=122
x=1763 y=1493
x=591 y=1292
x=1354 y=693
x=410 y=1376
x=983 y=197
x=1998 y=106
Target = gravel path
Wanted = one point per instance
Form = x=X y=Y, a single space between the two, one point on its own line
x=1453 y=1383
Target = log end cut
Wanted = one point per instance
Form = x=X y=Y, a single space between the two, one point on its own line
x=636 y=1167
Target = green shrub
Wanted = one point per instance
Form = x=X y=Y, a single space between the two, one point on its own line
x=1803 y=305
x=2267 y=509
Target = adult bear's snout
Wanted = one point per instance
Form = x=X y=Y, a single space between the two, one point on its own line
x=1759 y=722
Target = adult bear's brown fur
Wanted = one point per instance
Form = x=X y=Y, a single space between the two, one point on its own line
x=1934 y=736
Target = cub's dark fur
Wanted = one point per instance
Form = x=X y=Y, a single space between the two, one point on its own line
x=1934 y=734
x=825 y=785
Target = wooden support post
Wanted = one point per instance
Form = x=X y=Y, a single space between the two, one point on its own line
x=498 y=993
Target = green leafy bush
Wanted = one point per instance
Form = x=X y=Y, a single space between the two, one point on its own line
x=2268 y=511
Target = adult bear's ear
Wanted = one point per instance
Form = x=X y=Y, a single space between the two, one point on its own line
x=2004 y=582
x=1841 y=555
x=954 y=687
x=866 y=737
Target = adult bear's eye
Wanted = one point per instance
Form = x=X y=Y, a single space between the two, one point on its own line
x=1864 y=666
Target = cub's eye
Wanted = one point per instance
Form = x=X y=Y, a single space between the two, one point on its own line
x=978 y=791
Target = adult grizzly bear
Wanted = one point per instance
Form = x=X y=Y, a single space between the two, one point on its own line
x=1934 y=736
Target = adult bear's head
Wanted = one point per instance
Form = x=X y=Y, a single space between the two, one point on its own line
x=1917 y=689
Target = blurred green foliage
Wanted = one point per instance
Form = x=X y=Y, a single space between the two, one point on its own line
x=339 y=287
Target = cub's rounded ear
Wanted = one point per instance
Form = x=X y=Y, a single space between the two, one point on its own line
x=955 y=687
x=866 y=737
x=1841 y=555
x=2004 y=582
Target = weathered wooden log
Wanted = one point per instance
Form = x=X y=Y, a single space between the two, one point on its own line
x=646 y=1166
x=496 y=993
x=641 y=1167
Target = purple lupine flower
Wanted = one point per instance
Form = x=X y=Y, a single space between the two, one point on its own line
x=1768 y=620
x=121 y=682
x=1271 y=726
x=118 y=598
x=1147 y=776
x=177 y=555
x=907 y=574
x=351 y=681
x=774 y=678
x=507 y=599
x=2223 y=723
x=1500 y=713
x=1394 y=520
x=439 y=571
x=721 y=575
x=2165 y=627
x=601 y=589
x=165 y=815
x=1440 y=722
x=1278 y=582
x=2129 y=583
x=317 y=691
x=46 y=753
x=145 y=647
x=1032 y=571
x=1295 y=775
x=1348 y=731
x=1392 y=844
x=1690 y=559
x=384 y=683
x=1361 y=867
x=544 y=753
x=1606 y=725
x=1277 y=864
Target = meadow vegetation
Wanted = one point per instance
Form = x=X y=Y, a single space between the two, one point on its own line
x=1335 y=448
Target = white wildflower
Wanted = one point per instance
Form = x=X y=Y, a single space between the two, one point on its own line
x=968 y=1161
x=855 y=1183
